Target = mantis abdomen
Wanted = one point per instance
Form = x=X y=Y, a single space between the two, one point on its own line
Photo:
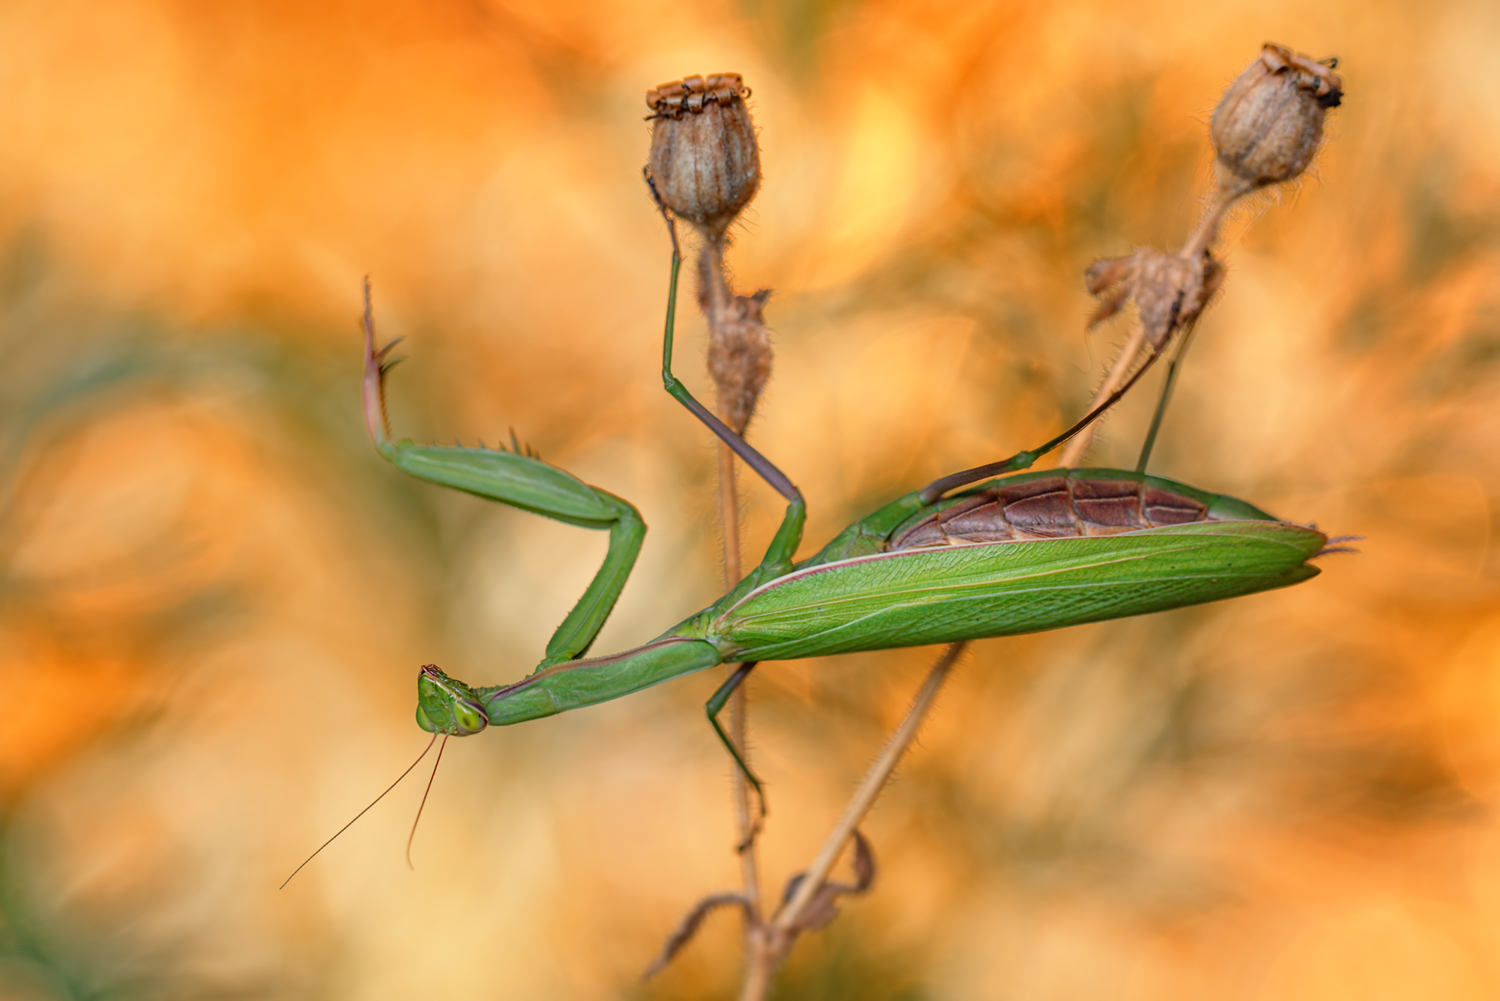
x=1022 y=554
x=944 y=594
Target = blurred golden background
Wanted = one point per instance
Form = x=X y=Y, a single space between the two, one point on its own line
x=216 y=595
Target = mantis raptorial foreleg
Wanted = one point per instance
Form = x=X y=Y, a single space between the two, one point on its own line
x=524 y=482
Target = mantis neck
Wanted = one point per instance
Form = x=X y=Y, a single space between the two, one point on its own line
x=577 y=683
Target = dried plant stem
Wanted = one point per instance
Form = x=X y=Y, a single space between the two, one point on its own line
x=869 y=790
x=1118 y=373
x=761 y=963
x=714 y=297
x=739 y=361
x=1207 y=230
x=739 y=717
x=777 y=936
x=1202 y=238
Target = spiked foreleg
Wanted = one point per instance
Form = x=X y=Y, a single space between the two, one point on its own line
x=523 y=482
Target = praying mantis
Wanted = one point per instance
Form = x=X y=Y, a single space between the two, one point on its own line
x=988 y=551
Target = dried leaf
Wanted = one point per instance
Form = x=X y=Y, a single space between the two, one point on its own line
x=823 y=907
x=689 y=927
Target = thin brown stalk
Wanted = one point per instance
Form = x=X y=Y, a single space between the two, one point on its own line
x=714 y=299
x=761 y=963
x=1200 y=240
x=739 y=716
x=869 y=790
x=1207 y=230
x=767 y=943
x=769 y=949
x=1124 y=361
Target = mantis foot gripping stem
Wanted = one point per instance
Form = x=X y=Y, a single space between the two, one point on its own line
x=714 y=706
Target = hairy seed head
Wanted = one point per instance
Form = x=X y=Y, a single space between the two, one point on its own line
x=1270 y=121
x=1169 y=290
x=739 y=357
x=704 y=158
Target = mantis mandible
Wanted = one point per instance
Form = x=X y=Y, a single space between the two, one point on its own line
x=958 y=559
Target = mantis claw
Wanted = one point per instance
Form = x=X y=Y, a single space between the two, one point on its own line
x=386 y=366
x=755 y=825
x=373 y=388
x=713 y=707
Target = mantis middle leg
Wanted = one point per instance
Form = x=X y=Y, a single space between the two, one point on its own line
x=783 y=548
x=715 y=705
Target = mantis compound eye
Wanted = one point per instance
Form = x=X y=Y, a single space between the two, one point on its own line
x=468 y=718
x=446 y=706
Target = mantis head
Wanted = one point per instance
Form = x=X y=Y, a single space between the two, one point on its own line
x=446 y=706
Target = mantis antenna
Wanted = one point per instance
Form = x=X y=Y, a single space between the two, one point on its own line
x=413 y=835
x=377 y=799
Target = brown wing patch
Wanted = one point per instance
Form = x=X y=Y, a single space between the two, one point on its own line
x=1111 y=505
x=927 y=532
x=1052 y=507
x=1041 y=508
x=974 y=519
x=1162 y=507
x=980 y=520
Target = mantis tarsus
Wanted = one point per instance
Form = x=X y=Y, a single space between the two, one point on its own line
x=1021 y=553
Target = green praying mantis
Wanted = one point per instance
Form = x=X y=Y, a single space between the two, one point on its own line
x=972 y=555
x=1017 y=554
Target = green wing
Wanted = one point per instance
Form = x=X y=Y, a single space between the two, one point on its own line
x=940 y=595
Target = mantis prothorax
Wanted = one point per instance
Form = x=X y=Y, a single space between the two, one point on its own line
x=1018 y=554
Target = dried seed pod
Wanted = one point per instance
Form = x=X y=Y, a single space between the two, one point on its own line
x=704 y=158
x=693 y=93
x=1270 y=121
x=1169 y=290
x=739 y=357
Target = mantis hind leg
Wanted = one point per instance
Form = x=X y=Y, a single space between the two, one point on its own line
x=1024 y=460
x=1164 y=399
x=713 y=707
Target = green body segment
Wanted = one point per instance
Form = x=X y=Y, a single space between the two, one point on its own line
x=917 y=597
x=578 y=683
x=855 y=594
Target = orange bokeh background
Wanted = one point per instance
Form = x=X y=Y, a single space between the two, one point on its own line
x=217 y=595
